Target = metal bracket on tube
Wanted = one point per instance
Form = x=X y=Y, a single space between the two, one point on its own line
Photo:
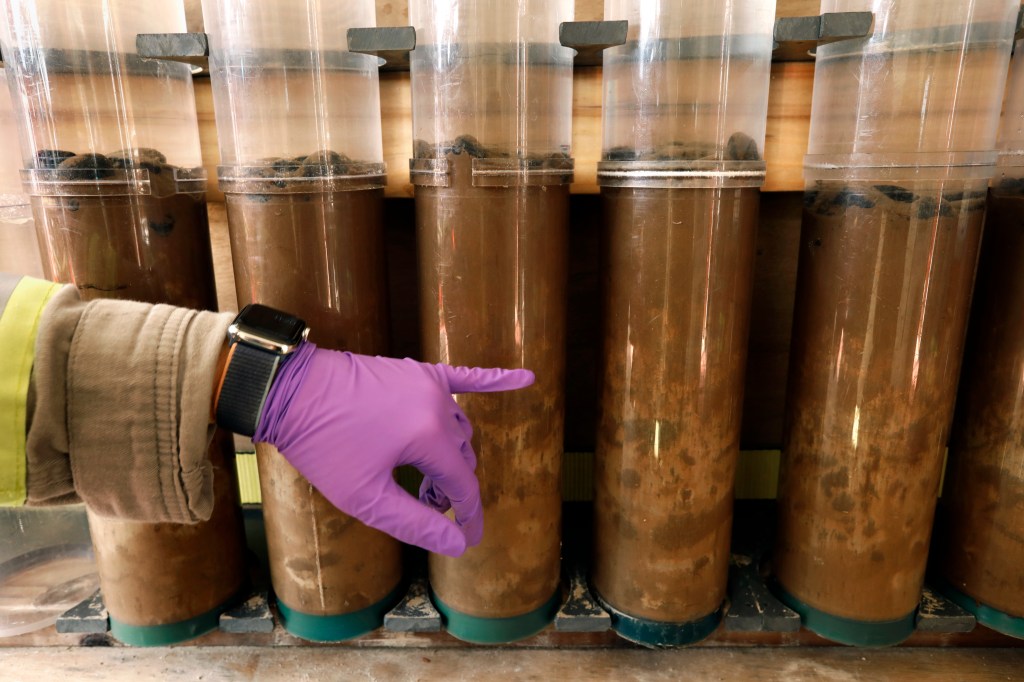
x=796 y=38
x=252 y=615
x=590 y=38
x=189 y=48
x=581 y=612
x=392 y=44
x=415 y=613
x=88 y=617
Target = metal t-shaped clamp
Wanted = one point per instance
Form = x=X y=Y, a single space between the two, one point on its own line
x=796 y=38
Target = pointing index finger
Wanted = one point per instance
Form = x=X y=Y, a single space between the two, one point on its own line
x=485 y=380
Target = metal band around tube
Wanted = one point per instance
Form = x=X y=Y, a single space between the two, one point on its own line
x=495 y=171
x=658 y=634
x=901 y=166
x=111 y=182
x=849 y=631
x=166 y=634
x=342 y=626
x=680 y=175
x=989 y=616
x=481 y=630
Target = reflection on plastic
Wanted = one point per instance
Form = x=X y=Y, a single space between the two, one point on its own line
x=929 y=79
x=883 y=294
x=678 y=284
x=493 y=267
x=285 y=84
x=46 y=566
x=110 y=145
x=493 y=70
x=980 y=548
x=300 y=136
x=689 y=77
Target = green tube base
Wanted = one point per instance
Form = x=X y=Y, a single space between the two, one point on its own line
x=171 y=633
x=659 y=634
x=990 y=617
x=496 y=630
x=847 y=630
x=317 y=628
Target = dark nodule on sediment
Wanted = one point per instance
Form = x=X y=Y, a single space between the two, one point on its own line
x=85 y=167
x=143 y=157
x=896 y=193
x=920 y=206
x=846 y=198
x=325 y=163
x=469 y=145
x=472 y=147
x=92 y=166
x=953 y=197
x=163 y=227
x=739 y=147
x=742 y=147
x=48 y=159
x=1010 y=186
x=929 y=207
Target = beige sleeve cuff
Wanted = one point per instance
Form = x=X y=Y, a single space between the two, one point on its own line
x=136 y=391
x=48 y=466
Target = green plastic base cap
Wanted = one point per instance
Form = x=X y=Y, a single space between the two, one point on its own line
x=171 y=633
x=875 y=633
x=496 y=630
x=660 y=634
x=317 y=628
x=990 y=617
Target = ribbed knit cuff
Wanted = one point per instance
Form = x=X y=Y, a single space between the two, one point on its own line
x=140 y=384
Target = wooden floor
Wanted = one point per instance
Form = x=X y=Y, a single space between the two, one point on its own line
x=621 y=665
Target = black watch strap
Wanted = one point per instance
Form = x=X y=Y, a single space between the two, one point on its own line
x=247 y=380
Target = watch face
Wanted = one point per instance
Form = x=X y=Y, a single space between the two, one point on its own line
x=271 y=324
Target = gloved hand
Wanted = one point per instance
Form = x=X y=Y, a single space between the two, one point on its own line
x=345 y=421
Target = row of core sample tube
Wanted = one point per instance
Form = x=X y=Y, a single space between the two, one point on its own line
x=901 y=155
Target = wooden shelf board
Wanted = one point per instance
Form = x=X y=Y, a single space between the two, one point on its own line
x=289 y=663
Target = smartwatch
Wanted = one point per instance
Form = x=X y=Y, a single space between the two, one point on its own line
x=258 y=340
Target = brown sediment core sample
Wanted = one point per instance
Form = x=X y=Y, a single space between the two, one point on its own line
x=493 y=264
x=678 y=286
x=322 y=561
x=318 y=255
x=152 y=574
x=883 y=294
x=153 y=248
x=980 y=534
x=121 y=243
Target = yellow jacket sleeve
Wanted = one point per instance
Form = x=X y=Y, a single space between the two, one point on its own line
x=22 y=300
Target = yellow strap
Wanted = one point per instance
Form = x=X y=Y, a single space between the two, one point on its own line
x=248 y=478
x=19 y=324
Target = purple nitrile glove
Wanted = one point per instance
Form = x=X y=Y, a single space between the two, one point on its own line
x=345 y=421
